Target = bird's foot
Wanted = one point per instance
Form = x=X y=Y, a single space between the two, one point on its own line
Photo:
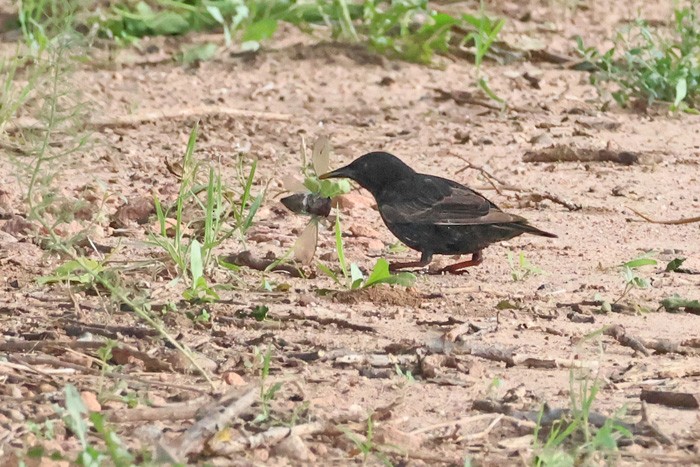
x=460 y=268
x=425 y=259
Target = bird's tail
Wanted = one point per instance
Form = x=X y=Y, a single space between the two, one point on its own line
x=527 y=228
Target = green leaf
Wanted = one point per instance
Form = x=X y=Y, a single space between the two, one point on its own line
x=681 y=91
x=198 y=53
x=674 y=264
x=118 y=453
x=676 y=302
x=483 y=84
x=167 y=23
x=216 y=14
x=333 y=188
x=506 y=305
x=81 y=271
x=339 y=247
x=639 y=262
x=75 y=414
x=196 y=264
x=229 y=266
x=327 y=271
x=379 y=273
x=254 y=206
x=356 y=276
x=35 y=452
x=259 y=312
x=260 y=30
x=382 y=275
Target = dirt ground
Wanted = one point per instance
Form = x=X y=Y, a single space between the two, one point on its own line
x=336 y=354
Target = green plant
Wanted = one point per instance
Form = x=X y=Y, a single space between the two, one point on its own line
x=632 y=279
x=202 y=317
x=41 y=21
x=267 y=394
x=523 y=268
x=366 y=445
x=570 y=440
x=354 y=278
x=199 y=290
x=84 y=273
x=78 y=420
x=45 y=430
x=407 y=375
x=58 y=132
x=14 y=95
x=647 y=64
x=104 y=353
x=259 y=312
x=674 y=265
x=192 y=258
x=313 y=196
x=675 y=303
x=406 y=29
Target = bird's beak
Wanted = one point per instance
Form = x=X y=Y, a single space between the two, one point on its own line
x=343 y=172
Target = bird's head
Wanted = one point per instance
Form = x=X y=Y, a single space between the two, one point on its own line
x=373 y=171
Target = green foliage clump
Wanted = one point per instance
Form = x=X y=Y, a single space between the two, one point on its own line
x=649 y=65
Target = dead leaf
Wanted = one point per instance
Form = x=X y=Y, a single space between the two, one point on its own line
x=305 y=246
x=321 y=155
x=137 y=210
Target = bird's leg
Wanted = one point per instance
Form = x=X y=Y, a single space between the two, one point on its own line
x=425 y=259
x=458 y=268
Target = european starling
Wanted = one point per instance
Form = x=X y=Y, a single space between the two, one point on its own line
x=433 y=215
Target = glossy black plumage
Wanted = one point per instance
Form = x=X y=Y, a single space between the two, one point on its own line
x=431 y=214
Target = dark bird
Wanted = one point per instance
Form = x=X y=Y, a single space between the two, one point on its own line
x=433 y=215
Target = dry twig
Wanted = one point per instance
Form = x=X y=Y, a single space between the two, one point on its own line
x=535 y=196
x=230 y=406
x=687 y=220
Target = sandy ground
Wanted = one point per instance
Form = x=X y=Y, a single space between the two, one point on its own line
x=446 y=329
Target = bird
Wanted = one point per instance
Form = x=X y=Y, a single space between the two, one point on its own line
x=431 y=214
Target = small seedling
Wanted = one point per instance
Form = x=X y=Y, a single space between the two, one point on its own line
x=76 y=417
x=260 y=312
x=104 y=354
x=523 y=268
x=570 y=440
x=202 y=317
x=266 y=394
x=45 y=430
x=353 y=277
x=199 y=291
x=194 y=257
x=405 y=374
x=632 y=279
x=367 y=446
x=674 y=265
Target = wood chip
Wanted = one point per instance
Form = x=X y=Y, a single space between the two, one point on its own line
x=565 y=153
x=682 y=400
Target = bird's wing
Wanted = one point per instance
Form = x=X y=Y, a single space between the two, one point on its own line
x=437 y=202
